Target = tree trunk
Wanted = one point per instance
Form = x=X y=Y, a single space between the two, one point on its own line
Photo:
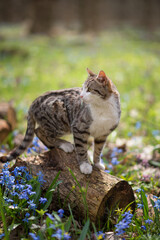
x=103 y=191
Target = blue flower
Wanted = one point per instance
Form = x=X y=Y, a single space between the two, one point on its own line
x=114 y=161
x=43 y=200
x=138 y=125
x=50 y=216
x=155 y=133
x=58 y=234
x=31 y=205
x=34 y=237
x=66 y=236
x=40 y=177
x=140 y=205
x=60 y=213
x=2 y=235
x=124 y=223
x=100 y=235
x=143 y=228
x=148 y=221
x=27 y=215
x=157 y=204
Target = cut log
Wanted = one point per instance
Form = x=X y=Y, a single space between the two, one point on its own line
x=103 y=191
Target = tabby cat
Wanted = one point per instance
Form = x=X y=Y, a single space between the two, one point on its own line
x=93 y=110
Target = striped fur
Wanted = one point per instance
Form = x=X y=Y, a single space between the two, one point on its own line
x=93 y=110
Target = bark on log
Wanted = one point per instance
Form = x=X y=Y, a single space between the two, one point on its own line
x=7 y=120
x=104 y=191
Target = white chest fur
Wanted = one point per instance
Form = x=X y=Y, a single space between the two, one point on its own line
x=105 y=115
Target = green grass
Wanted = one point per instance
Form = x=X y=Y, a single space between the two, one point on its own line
x=33 y=65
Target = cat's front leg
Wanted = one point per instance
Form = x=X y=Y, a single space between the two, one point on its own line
x=80 y=142
x=99 y=143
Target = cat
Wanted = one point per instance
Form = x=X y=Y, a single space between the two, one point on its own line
x=92 y=110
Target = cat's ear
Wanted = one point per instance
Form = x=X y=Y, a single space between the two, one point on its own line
x=104 y=80
x=90 y=72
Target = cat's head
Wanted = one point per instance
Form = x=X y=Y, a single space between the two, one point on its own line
x=97 y=87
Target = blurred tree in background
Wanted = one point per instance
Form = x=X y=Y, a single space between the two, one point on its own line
x=81 y=15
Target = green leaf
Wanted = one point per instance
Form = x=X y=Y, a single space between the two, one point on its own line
x=84 y=230
x=68 y=224
x=145 y=205
x=13 y=226
x=154 y=163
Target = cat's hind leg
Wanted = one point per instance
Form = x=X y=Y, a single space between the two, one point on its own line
x=51 y=142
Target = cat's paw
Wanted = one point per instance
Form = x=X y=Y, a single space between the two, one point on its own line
x=100 y=166
x=67 y=147
x=86 y=168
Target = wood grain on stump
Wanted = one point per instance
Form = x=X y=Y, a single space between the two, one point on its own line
x=103 y=191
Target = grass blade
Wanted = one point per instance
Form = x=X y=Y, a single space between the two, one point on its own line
x=84 y=230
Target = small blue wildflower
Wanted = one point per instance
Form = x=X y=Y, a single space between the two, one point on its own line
x=124 y=223
x=34 y=237
x=66 y=236
x=50 y=216
x=17 y=172
x=27 y=215
x=58 y=234
x=34 y=149
x=140 y=205
x=100 y=235
x=2 y=235
x=157 y=204
x=107 y=171
x=35 y=142
x=52 y=226
x=8 y=200
x=130 y=134
x=114 y=161
x=148 y=221
x=40 y=177
x=138 y=125
x=113 y=154
x=143 y=228
x=29 y=151
x=60 y=213
x=155 y=133
x=43 y=200
x=31 y=205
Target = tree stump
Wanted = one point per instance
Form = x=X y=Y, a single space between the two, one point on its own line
x=7 y=120
x=103 y=191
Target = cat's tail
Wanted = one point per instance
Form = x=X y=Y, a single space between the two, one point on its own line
x=25 y=143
